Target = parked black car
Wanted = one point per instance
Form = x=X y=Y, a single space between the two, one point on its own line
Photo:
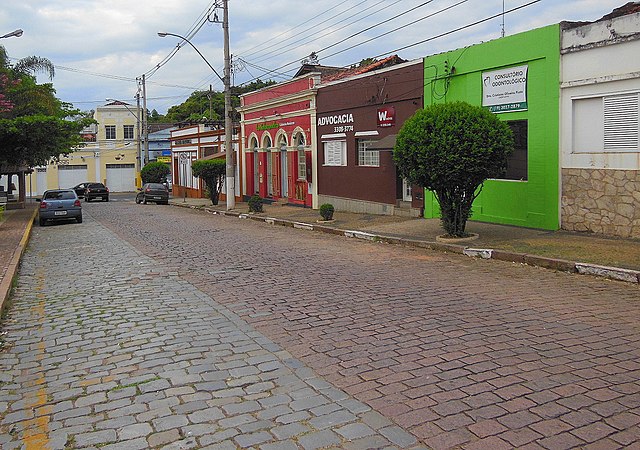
x=153 y=192
x=80 y=188
x=96 y=191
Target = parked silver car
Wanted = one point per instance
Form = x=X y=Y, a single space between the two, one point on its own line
x=59 y=204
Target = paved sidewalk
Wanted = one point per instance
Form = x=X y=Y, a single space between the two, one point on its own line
x=610 y=257
x=15 y=229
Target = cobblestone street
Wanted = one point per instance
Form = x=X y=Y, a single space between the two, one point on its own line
x=161 y=327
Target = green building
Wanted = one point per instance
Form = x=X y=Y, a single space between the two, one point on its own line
x=517 y=77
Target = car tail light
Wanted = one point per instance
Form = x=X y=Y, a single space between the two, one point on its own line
x=148 y=190
x=43 y=205
x=77 y=203
x=107 y=189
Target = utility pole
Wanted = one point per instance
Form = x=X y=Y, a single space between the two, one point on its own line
x=139 y=154
x=228 y=123
x=145 y=124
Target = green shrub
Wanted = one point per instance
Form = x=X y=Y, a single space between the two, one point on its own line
x=213 y=172
x=326 y=211
x=255 y=204
x=451 y=149
x=155 y=172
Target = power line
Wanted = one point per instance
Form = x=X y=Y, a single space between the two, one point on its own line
x=392 y=31
x=414 y=44
x=270 y=42
x=196 y=26
x=315 y=36
x=422 y=4
x=460 y=28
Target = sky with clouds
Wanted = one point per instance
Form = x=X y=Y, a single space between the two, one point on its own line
x=100 y=48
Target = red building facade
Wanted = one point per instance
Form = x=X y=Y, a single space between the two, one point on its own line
x=278 y=129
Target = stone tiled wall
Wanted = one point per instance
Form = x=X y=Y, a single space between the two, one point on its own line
x=605 y=201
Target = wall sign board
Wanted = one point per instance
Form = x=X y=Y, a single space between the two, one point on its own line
x=505 y=90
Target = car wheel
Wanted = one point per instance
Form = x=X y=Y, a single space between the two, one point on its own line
x=144 y=200
x=42 y=222
x=105 y=199
x=138 y=200
x=79 y=219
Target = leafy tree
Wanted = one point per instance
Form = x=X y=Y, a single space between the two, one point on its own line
x=197 y=107
x=212 y=172
x=35 y=126
x=155 y=172
x=451 y=149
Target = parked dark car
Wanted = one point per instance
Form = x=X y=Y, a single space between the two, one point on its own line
x=80 y=188
x=96 y=191
x=59 y=204
x=153 y=192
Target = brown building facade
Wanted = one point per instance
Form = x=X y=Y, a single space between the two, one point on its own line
x=357 y=120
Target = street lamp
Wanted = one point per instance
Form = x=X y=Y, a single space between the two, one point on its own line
x=228 y=125
x=137 y=116
x=16 y=33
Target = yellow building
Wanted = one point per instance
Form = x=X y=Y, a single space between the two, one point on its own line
x=110 y=156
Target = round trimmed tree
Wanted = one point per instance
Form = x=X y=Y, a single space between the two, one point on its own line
x=155 y=172
x=212 y=172
x=451 y=149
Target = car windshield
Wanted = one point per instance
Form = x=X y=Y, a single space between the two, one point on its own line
x=156 y=186
x=95 y=185
x=59 y=195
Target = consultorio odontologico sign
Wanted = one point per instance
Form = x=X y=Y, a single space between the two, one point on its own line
x=505 y=90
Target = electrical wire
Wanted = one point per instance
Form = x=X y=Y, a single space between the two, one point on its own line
x=428 y=16
x=270 y=42
x=372 y=26
x=316 y=36
x=416 y=43
x=458 y=29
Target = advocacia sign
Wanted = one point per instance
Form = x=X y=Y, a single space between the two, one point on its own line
x=505 y=90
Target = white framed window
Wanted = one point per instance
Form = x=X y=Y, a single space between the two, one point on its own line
x=110 y=132
x=367 y=157
x=335 y=153
x=606 y=123
x=128 y=131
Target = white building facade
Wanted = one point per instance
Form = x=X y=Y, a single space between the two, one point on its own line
x=600 y=126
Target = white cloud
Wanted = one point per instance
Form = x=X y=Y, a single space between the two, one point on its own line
x=119 y=37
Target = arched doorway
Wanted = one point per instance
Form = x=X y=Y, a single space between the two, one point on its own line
x=283 y=160
x=253 y=145
x=267 y=144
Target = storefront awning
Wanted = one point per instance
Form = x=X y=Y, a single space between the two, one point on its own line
x=386 y=143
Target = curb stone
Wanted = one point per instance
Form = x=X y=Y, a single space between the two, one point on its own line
x=561 y=265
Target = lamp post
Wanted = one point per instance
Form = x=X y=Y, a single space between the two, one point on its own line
x=139 y=146
x=16 y=33
x=228 y=125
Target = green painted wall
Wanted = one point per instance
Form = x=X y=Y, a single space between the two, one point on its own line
x=535 y=202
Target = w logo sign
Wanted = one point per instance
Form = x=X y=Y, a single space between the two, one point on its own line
x=386 y=117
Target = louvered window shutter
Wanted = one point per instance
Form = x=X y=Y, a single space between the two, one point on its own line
x=621 y=124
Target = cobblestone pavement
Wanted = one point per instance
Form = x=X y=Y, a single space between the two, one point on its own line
x=457 y=351
x=108 y=349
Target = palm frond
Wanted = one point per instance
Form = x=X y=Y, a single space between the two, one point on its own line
x=33 y=64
